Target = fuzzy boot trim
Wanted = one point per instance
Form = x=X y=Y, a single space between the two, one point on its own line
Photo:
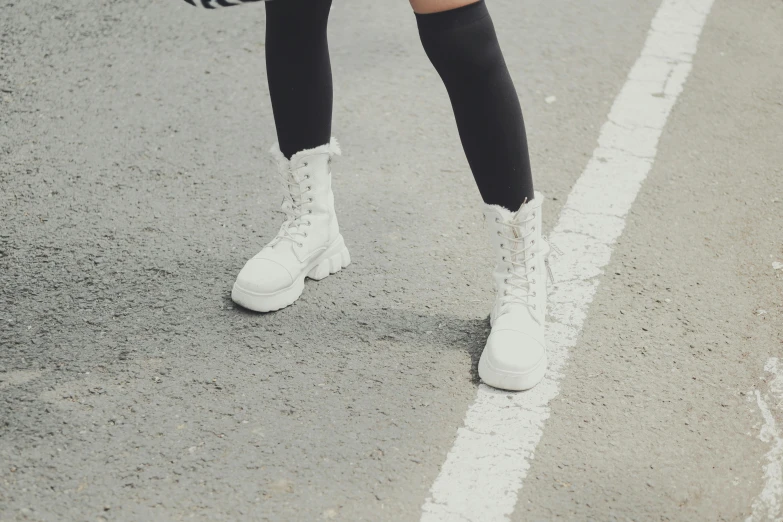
x=507 y=214
x=332 y=148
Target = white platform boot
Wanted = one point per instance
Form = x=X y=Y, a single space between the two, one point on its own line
x=514 y=357
x=308 y=244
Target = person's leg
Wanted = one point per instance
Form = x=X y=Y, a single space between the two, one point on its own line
x=299 y=72
x=460 y=41
x=309 y=243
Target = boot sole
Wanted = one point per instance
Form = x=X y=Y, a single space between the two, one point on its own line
x=331 y=261
x=511 y=381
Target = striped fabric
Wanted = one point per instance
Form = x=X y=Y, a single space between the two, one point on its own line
x=213 y=4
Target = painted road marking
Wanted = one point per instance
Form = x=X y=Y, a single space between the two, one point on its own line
x=485 y=468
x=769 y=504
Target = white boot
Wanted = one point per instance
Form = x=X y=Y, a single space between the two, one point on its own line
x=308 y=244
x=515 y=355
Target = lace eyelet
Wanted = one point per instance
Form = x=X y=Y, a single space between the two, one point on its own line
x=309 y=211
x=504 y=258
x=309 y=187
x=305 y=164
x=307 y=176
x=502 y=245
x=497 y=220
x=533 y=269
x=310 y=200
x=498 y=232
x=533 y=242
x=534 y=294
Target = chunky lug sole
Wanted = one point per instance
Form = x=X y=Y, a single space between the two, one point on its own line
x=331 y=261
x=511 y=381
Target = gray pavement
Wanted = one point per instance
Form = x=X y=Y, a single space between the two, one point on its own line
x=134 y=183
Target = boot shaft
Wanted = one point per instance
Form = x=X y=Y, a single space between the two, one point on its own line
x=520 y=252
x=309 y=199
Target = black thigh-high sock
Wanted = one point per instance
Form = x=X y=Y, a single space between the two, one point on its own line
x=299 y=72
x=463 y=47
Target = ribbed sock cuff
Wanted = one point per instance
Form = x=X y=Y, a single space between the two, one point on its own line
x=453 y=18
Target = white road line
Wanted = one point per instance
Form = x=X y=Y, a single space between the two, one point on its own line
x=485 y=468
x=769 y=504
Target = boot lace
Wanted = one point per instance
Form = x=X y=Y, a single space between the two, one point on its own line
x=518 y=281
x=293 y=207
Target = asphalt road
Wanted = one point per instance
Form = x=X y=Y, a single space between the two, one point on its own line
x=134 y=184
